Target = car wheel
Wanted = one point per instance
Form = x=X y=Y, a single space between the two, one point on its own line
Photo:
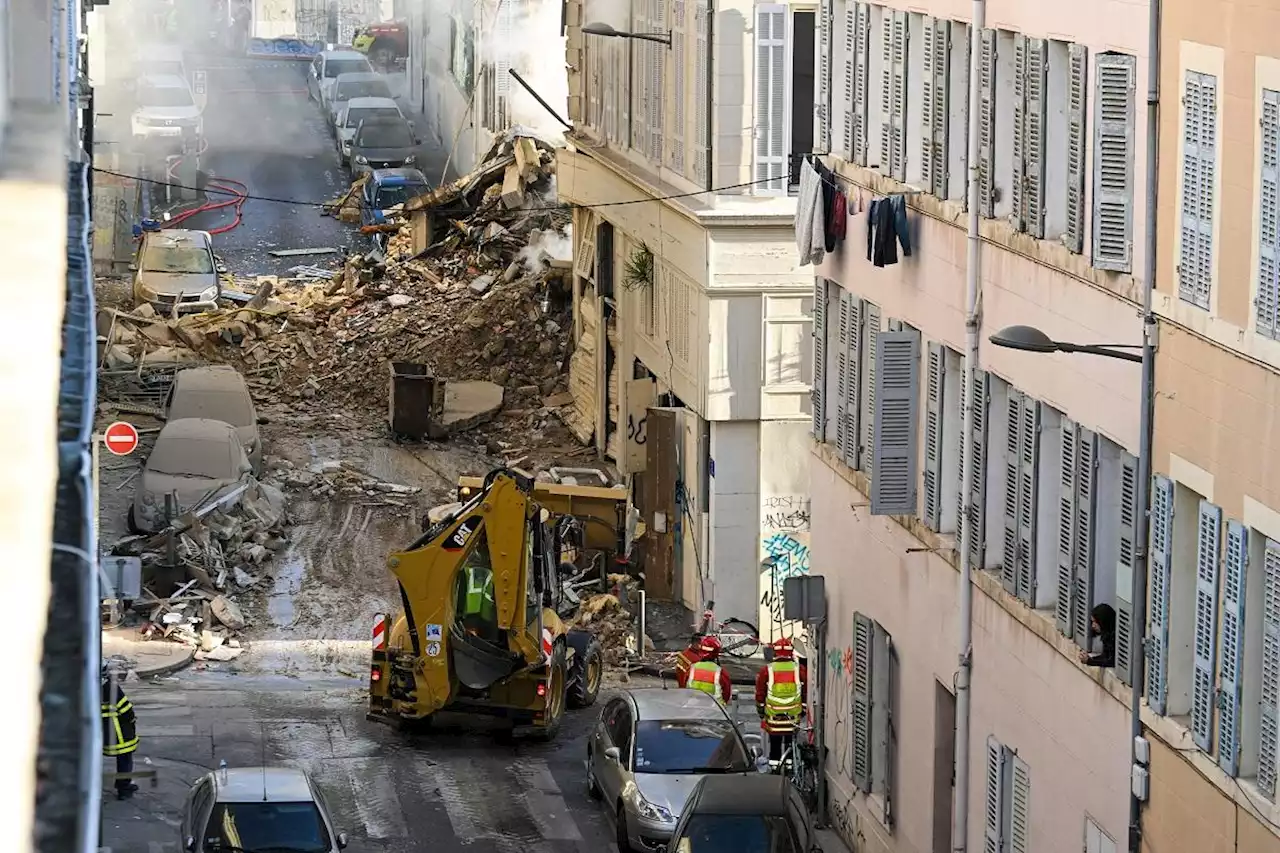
x=593 y=787
x=624 y=842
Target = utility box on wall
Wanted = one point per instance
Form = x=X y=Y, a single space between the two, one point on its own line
x=804 y=598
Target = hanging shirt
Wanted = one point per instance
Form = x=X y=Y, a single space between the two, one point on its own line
x=886 y=230
x=841 y=216
x=809 y=224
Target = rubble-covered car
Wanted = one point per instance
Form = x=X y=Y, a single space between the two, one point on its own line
x=217 y=392
x=384 y=143
x=176 y=268
x=195 y=459
x=326 y=67
x=166 y=109
x=355 y=84
x=387 y=189
x=357 y=110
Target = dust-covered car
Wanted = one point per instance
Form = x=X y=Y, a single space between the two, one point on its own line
x=326 y=67
x=195 y=460
x=357 y=110
x=355 y=84
x=166 y=109
x=176 y=270
x=254 y=809
x=219 y=393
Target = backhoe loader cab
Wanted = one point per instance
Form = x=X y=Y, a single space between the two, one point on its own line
x=480 y=634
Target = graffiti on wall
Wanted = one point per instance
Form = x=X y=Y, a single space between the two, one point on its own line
x=788 y=513
x=784 y=555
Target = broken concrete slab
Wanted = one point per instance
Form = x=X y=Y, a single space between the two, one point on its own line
x=481 y=284
x=228 y=613
x=469 y=404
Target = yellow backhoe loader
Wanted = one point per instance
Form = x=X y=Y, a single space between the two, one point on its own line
x=480 y=633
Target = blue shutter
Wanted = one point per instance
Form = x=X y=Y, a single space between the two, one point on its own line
x=1129 y=514
x=1113 y=157
x=863 y=644
x=896 y=424
x=1270 y=693
x=1085 y=503
x=1161 y=578
x=1208 y=560
x=1016 y=400
x=1067 y=470
x=1267 y=301
x=935 y=383
x=1235 y=563
x=867 y=400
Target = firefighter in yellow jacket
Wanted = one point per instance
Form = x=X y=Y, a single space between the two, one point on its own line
x=119 y=731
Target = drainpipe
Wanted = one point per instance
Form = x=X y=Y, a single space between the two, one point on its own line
x=711 y=87
x=972 y=321
x=1146 y=419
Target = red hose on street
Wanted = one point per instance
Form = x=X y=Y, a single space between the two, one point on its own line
x=237 y=194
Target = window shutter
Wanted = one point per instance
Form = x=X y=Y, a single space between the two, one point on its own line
x=852 y=19
x=818 y=394
x=935 y=386
x=1199 y=165
x=1033 y=135
x=987 y=124
x=1235 y=563
x=1068 y=469
x=976 y=489
x=1161 y=578
x=701 y=90
x=628 y=120
x=657 y=23
x=1019 y=806
x=593 y=85
x=853 y=389
x=867 y=414
x=993 y=834
x=1129 y=514
x=637 y=77
x=678 y=90
x=1017 y=182
x=586 y=258
x=863 y=641
x=770 y=106
x=1028 y=452
x=504 y=31
x=1267 y=302
x=896 y=423
x=1077 y=103
x=822 y=117
x=935 y=107
x=1113 y=146
x=883 y=738
x=893 y=97
x=1270 y=692
x=861 y=83
x=1208 y=561
x=1013 y=442
x=1086 y=494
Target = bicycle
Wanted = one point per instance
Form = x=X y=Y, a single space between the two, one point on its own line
x=799 y=763
x=738 y=637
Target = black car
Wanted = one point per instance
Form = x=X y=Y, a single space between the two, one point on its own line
x=755 y=813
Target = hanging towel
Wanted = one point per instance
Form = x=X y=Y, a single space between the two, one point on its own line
x=809 y=241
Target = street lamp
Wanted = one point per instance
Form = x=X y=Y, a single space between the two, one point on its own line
x=1031 y=339
x=609 y=32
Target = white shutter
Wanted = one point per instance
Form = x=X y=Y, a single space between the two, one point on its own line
x=591 y=59
x=993 y=840
x=1035 y=87
x=1235 y=564
x=679 y=94
x=1199 y=166
x=987 y=124
x=822 y=110
x=867 y=410
x=1085 y=505
x=845 y=367
x=851 y=19
x=893 y=95
x=1013 y=429
x=1267 y=301
x=1077 y=140
x=624 y=57
x=975 y=491
x=935 y=108
x=771 y=99
x=818 y=392
x=1161 y=579
x=861 y=83
x=1021 y=479
x=639 y=78
x=504 y=29
x=1019 y=806
x=1068 y=469
x=701 y=93
x=657 y=78
x=1268 y=734
x=935 y=386
x=1208 y=561
x=585 y=259
x=1017 y=181
x=1129 y=515
x=1113 y=185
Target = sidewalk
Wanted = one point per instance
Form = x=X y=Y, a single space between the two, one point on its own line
x=146 y=658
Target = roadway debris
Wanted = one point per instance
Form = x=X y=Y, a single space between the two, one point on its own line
x=610 y=620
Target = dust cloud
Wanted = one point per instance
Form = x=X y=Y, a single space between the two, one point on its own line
x=615 y=13
x=533 y=46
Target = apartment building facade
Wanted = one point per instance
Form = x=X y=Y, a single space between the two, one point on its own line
x=692 y=314
x=1216 y=505
x=1055 y=436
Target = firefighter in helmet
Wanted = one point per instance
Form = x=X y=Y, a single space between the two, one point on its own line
x=707 y=674
x=781 y=695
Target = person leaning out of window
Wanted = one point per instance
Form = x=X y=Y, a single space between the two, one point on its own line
x=1102 y=625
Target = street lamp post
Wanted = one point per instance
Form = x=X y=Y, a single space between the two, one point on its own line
x=1029 y=339
x=609 y=32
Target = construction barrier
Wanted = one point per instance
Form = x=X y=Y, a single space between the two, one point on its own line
x=282 y=48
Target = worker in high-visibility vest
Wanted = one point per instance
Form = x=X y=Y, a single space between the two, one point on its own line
x=479 y=613
x=781 y=696
x=119 y=732
x=707 y=675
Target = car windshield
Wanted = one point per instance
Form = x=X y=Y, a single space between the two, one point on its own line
x=385 y=135
x=192 y=457
x=232 y=407
x=191 y=260
x=160 y=66
x=363 y=89
x=354 y=117
x=295 y=827
x=714 y=833
x=688 y=746
x=391 y=196
x=334 y=67
x=164 y=96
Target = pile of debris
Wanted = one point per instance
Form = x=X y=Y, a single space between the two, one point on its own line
x=612 y=623
x=336 y=477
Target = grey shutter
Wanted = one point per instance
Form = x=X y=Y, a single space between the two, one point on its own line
x=1199 y=165
x=770 y=105
x=1161 y=578
x=863 y=642
x=844 y=373
x=1017 y=182
x=1068 y=469
x=935 y=107
x=901 y=36
x=819 y=390
x=1208 y=561
x=1268 y=733
x=679 y=17
x=701 y=89
x=1129 y=513
x=1235 y=564
x=861 y=83
x=637 y=78
x=896 y=423
x=1077 y=143
x=822 y=110
x=657 y=79
x=975 y=490
x=935 y=387
x=1035 y=89
x=1086 y=495
x=629 y=120
x=1013 y=426
x=1113 y=148
x=1267 y=302
x=994 y=809
x=987 y=124
x=883 y=737
x=851 y=20
x=1022 y=454
x=1019 y=806
x=866 y=415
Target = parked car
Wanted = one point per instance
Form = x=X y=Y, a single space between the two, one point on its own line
x=196 y=460
x=647 y=751
x=758 y=813
x=258 y=808
x=217 y=393
x=176 y=270
x=385 y=189
x=384 y=143
x=357 y=110
x=166 y=109
x=159 y=59
x=326 y=67
x=355 y=84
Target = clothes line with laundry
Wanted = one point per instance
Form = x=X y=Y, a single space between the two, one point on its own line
x=823 y=210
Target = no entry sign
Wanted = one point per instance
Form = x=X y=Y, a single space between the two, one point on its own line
x=121 y=438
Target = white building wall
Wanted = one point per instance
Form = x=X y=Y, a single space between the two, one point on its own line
x=735 y=513
x=784 y=525
x=449 y=120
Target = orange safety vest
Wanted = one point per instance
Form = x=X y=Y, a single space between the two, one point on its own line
x=705 y=676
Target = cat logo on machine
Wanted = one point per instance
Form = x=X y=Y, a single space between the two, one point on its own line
x=458 y=539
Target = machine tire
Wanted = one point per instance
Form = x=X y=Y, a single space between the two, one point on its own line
x=555 y=714
x=131 y=522
x=585 y=675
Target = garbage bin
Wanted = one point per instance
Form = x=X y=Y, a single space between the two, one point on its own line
x=415 y=401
